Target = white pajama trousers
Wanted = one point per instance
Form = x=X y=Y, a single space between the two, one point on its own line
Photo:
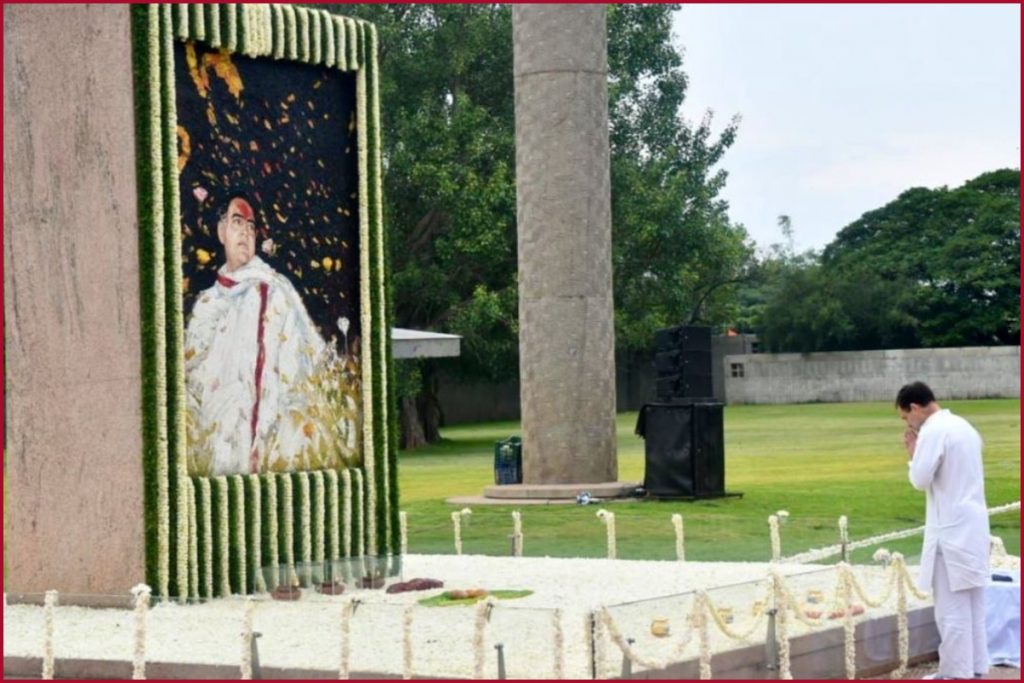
x=960 y=618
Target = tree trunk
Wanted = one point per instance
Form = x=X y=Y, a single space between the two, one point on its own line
x=430 y=405
x=420 y=416
x=411 y=426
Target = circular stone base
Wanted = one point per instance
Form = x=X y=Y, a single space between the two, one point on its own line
x=600 y=491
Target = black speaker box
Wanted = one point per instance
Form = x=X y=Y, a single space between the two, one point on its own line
x=673 y=362
x=684 y=449
x=687 y=337
x=687 y=385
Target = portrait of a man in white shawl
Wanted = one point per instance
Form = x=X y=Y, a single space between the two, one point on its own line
x=265 y=391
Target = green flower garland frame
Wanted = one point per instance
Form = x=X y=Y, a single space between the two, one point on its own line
x=209 y=537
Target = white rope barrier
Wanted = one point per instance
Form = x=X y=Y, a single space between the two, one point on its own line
x=703 y=637
x=403 y=533
x=517 y=534
x=776 y=540
x=559 y=644
x=609 y=522
x=901 y=616
x=49 y=605
x=407 y=650
x=141 y=593
x=849 y=628
x=677 y=525
x=818 y=554
x=481 y=616
x=245 y=669
x=1009 y=507
x=457 y=516
x=781 y=600
x=346 y=639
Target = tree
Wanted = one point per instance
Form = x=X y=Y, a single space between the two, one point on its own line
x=448 y=146
x=813 y=309
x=935 y=267
x=676 y=255
x=449 y=187
x=769 y=270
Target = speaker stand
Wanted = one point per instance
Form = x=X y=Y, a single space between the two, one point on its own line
x=727 y=494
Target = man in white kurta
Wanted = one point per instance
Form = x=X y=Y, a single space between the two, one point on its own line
x=945 y=463
x=253 y=360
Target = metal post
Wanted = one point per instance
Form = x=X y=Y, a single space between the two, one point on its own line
x=771 y=646
x=500 y=647
x=627 y=663
x=254 y=652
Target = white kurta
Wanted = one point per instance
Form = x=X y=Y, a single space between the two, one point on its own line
x=252 y=403
x=947 y=466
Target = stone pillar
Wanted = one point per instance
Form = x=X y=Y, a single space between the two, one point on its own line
x=566 y=321
x=74 y=485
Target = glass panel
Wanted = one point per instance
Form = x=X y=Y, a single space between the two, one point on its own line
x=23 y=627
x=204 y=632
x=658 y=631
x=376 y=640
x=331 y=577
x=816 y=601
x=740 y=617
x=443 y=641
x=304 y=634
x=526 y=637
x=101 y=631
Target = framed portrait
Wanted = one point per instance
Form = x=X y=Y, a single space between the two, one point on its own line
x=268 y=427
x=268 y=188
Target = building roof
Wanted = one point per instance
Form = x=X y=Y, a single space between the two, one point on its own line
x=422 y=344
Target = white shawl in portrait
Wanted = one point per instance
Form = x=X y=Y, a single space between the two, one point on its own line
x=251 y=351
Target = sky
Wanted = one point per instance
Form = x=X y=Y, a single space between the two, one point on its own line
x=843 y=107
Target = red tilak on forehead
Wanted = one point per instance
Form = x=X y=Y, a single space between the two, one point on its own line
x=244 y=209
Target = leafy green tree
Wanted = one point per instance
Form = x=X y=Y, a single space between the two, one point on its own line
x=676 y=256
x=814 y=309
x=769 y=270
x=449 y=151
x=935 y=267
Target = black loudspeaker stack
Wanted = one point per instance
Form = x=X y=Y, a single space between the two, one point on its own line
x=683 y=449
x=683 y=431
x=683 y=363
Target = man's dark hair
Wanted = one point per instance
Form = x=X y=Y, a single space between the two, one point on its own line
x=915 y=392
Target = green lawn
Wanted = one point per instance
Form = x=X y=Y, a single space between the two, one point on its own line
x=818 y=461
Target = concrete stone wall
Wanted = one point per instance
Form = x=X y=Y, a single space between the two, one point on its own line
x=722 y=346
x=796 y=378
x=71 y=302
x=464 y=402
x=977 y=372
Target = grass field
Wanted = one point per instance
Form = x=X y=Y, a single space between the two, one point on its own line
x=818 y=461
